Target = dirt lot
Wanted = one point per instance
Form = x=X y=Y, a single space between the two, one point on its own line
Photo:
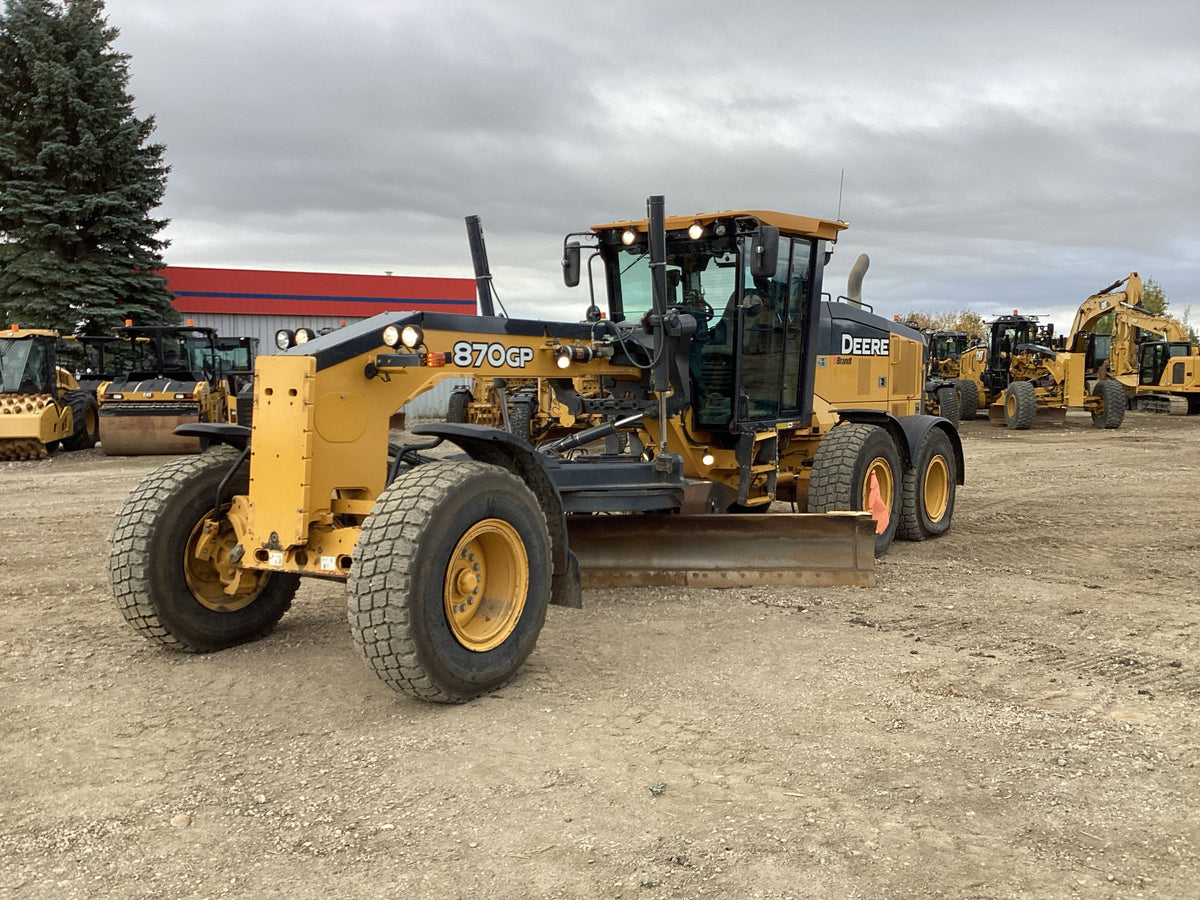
x=1012 y=712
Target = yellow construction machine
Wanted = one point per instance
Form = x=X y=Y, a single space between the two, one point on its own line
x=177 y=375
x=946 y=352
x=1161 y=375
x=42 y=406
x=1020 y=375
x=711 y=362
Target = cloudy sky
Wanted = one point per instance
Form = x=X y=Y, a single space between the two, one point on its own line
x=995 y=155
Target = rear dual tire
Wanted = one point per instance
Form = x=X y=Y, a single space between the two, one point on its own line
x=968 y=399
x=841 y=475
x=929 y=489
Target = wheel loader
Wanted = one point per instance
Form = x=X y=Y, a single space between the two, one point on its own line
x=42 y=406
x=177 y=375
x=1161 y=375
x=453 y=544
x=1019 y=376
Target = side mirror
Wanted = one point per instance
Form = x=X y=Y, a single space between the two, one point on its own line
x=570 y=264
x=764 y=252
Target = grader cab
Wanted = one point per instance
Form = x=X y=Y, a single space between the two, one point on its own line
x=707 y=354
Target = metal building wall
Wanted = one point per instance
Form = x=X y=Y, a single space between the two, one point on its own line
x=430 y=405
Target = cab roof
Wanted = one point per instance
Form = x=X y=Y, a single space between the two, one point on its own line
x=802 y=226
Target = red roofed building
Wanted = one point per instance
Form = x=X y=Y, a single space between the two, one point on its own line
x=258 y=303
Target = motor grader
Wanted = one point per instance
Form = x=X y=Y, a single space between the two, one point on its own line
x=42 y=406
x=176 y=375
x=946 y=351
x=450 y=560
x=1019 y=376
x=1160 y=375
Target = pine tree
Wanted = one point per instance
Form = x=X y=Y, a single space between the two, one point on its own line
x=78 y=178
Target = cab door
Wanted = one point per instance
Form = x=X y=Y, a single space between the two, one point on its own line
x=775 y=331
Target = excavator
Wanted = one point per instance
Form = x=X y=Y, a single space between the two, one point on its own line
x=453 y=545
x=42 y=406
x=1155 y=375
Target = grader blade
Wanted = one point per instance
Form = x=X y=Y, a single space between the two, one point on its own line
x=146 y=433
x=768 y=550
x=1047 y=415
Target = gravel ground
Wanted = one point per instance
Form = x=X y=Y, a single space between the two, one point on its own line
x=1011 y=712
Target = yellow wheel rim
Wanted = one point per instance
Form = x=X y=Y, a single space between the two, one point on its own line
x=208 y=575
x=1010 y=404
x=937 y=488
x=486 y=585
x=883 y=477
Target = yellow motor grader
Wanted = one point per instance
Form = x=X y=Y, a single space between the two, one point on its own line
x=1019 y=376
x=450 y=561
x=42 y=406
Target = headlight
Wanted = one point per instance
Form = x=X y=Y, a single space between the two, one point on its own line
x=284 y=339
x=304 y=335
x=391 y=336
x=412 y=337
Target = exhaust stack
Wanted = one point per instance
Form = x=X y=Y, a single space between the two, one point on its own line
x=855 y=279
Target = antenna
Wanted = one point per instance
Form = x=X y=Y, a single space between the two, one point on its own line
x=841 y=184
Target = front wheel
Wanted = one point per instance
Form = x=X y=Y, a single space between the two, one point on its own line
x=1111 y=412
x=929 y=488
x=170 y=577
x=451 y=580
x=842 y=473
x=1020 y=405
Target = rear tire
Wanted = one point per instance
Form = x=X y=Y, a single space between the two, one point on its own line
x=1112 y=410
x=450 y=581
x=86 y=414
x=841 y=472
x=929 y=489
x=456 y=409
x=1020 y=405
x=166 y=592
x=948 y=404
x=520 y=419
x=968 y=399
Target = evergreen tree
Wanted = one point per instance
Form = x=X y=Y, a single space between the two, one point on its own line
x=1154 y=298
x=78 y=178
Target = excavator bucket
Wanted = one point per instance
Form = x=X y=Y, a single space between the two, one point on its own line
x=771 y=550
x=147 y=429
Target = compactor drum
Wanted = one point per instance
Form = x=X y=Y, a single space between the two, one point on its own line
x=704 y=366
x=42 y=406
x=176 y=376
